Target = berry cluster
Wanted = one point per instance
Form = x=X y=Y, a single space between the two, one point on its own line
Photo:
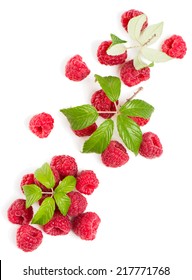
x=84 y=224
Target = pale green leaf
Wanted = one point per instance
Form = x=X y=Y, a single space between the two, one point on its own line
x=151 y=34
x=45 y=212
x=155 y=55
x=32 y=193
x=116 y=49
x=45 y=176
x=138 y=63
x=66 y=185
x=135 y=26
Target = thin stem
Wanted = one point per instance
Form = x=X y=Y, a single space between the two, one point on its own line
x=135 y=93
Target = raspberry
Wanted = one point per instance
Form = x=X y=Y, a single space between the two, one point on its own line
x=86 y=225
x=28 y=179
x=102 y=103
x=106 y=59
x=87 y=182
x=175 y=46
x=18 y=213
x=76 y=69
x=41 y=125
x=115 y=155
x=86 y=131
x=65 y=165
x=28 y=238
x=150 y=146
x=57 y=180
x=131 y=77
x=58 y=225
x=126 y=16
x=78 y=203
x=140 y=121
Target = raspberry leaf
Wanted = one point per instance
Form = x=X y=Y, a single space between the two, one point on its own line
x=80 y=117
x=154 y=55
x=135 y=25
x=111 y=85
x=137 y=108
x=33 y=193
x=117 y=47
x=66 y=185
x=100 y=139
x=45 y=212
x=151 y=34
x=63 y=202
x=130 y=133
x=45 y=176
x=139 y=63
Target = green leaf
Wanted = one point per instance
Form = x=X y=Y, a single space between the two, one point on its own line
x=130 y=133
x=33 y=193
x=63 y=202
x=151 y=34
x=45 y=212
x=137 y=108
x=45 y=176
x=155 y=55
x=81 y=116
x=100 y=139
x=135 y=25
x=111 y=86
x=66 y=185
x=117 y=47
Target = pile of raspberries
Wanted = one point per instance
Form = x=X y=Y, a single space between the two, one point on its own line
x=83 y=224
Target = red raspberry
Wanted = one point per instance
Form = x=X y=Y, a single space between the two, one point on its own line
x=76 y=69
x=41 y=125
x=28 y=238
x=28 y=179
x=131 y=77
x=57 y=180
x=106 y=59
x=102 y=103
x=86 y=131
x=87 y=182
x=140 y=121
x=18 y=213
x=175 y=46
x=86 y=225
x=78 y=204
x=65 y=165
x=58 y=225
x=115 y=155
x=150 y=146
x=126 y=16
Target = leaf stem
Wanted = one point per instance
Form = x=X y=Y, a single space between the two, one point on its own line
x=135 y=93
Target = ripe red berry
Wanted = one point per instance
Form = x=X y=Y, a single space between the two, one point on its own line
x=27 y=179
x=76 y=69
x=140 y=121
x=58 y=225
x=106 y=59
x=130 y=76
x=28 y=238
x=86 y=131
x=151 y=146
x=175 y=46
x=65 y=165
x=87 y=182
x=41 y=125
x=126 y=16
x=18 y=213
x=115 y=155
x=78 y=203
x=86 y=225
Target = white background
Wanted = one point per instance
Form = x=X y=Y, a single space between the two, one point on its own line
x=145 y=206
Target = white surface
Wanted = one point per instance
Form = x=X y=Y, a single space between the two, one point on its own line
x=145 y=206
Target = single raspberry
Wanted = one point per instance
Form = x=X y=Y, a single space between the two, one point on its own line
x=76 y=69
x=41 y=125
x=28 y=238
x=150 y=146
x=27 y=179
x=57 y=180
x=106 y=59
x=65 y=165
x=18 y=213
x=58 y=225
x=115 y=155
x=87 y=182
x=175 y=46
x=126 y=16
x=78 y=203
x=140 y=121
x=102 y=103
x=86 y=131
x=86 y=225
x=130 y=76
